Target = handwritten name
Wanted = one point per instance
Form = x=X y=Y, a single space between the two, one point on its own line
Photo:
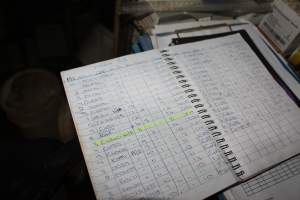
x=118 y=136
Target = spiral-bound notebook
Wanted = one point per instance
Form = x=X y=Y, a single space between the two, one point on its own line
x=182 y=122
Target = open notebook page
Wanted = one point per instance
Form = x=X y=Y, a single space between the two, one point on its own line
x=259 y=121
x=140 y=135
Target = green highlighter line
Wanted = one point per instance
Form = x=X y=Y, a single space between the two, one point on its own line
x=139 y=129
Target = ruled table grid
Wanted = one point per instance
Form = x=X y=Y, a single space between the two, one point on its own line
x=269 y=137
x=164 y=161
x=257 y=116
x=278 y=174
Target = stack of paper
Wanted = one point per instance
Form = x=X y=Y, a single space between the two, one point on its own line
x=266 y=185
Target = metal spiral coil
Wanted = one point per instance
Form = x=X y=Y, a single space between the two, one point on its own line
x=184 y=83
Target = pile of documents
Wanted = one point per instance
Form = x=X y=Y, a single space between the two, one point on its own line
x=154 y=35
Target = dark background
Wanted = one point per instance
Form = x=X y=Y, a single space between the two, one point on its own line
x=38 y=40
x=24 y=24
x=47 y=35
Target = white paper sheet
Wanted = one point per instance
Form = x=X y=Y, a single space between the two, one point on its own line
x=279 y=183
x=140 y=135
x=260 y=121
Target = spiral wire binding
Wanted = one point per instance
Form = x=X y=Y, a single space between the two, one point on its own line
x=202 y=112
